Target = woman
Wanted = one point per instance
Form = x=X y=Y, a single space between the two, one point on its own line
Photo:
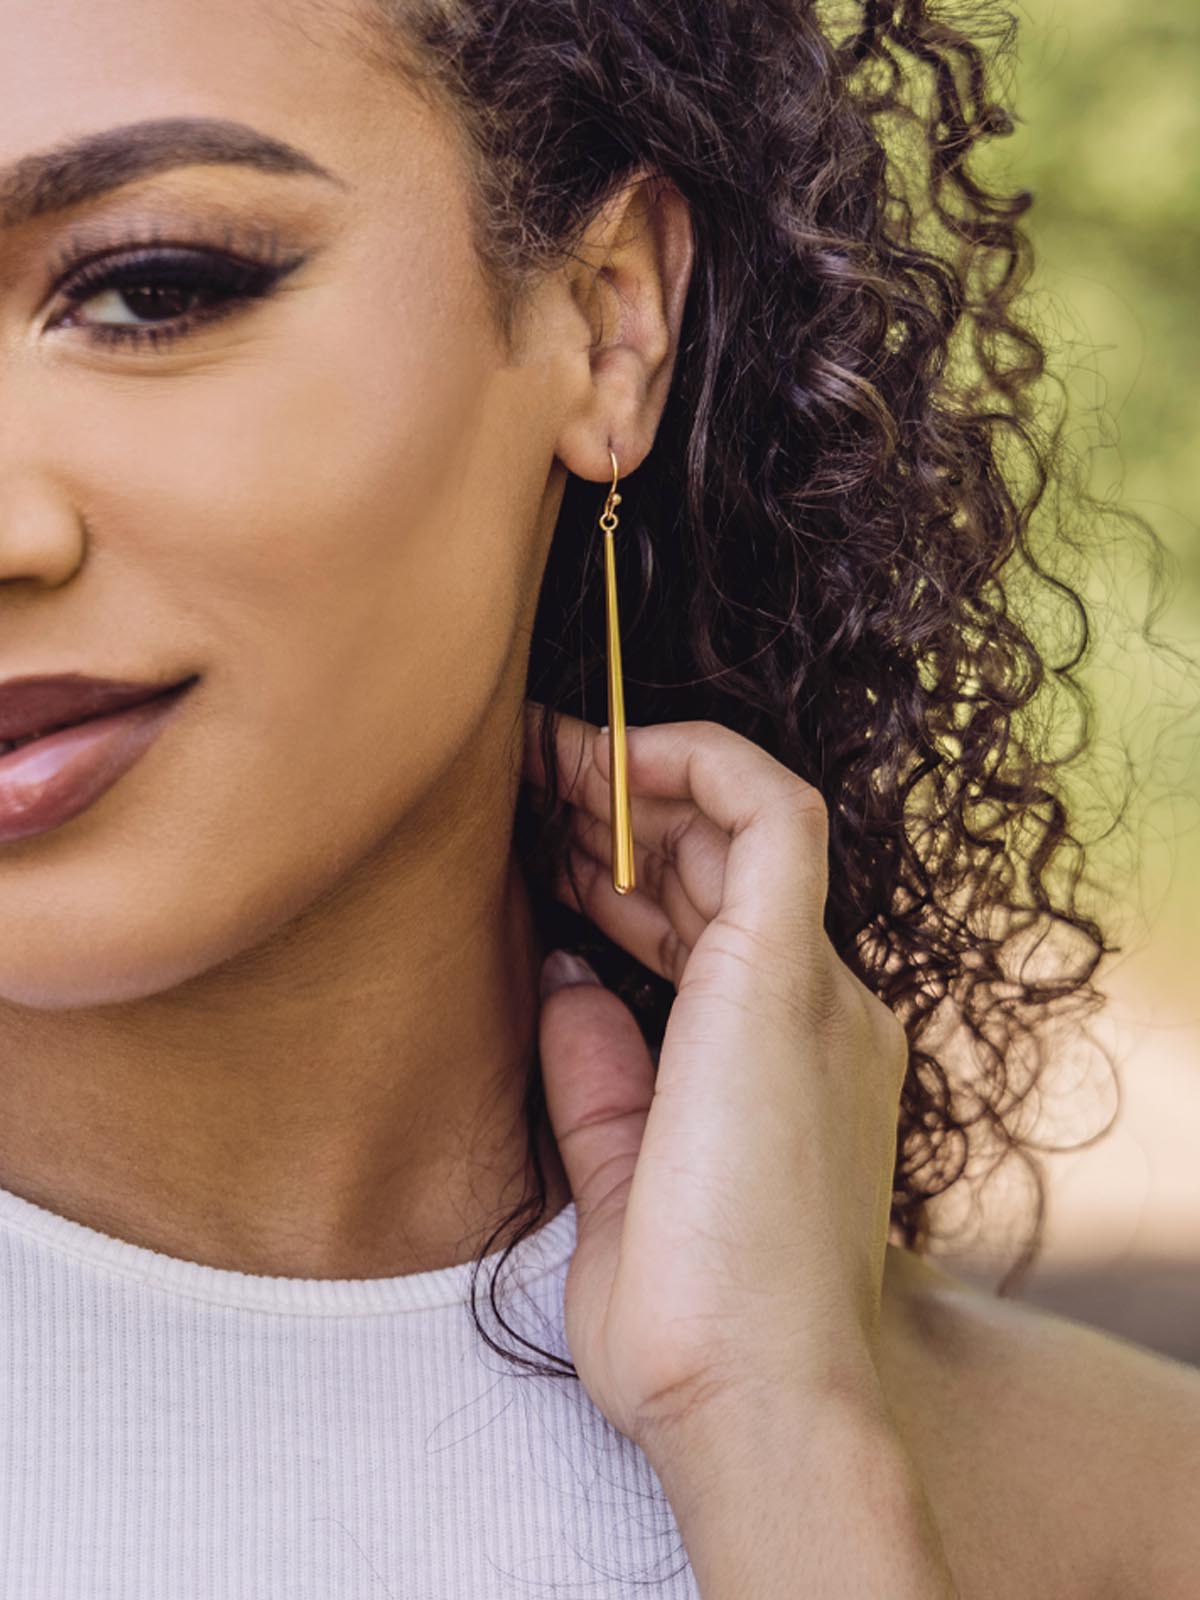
x=331 y=331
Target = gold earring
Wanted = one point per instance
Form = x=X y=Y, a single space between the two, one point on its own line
x=618 y=779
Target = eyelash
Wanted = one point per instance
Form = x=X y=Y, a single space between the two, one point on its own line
x=239 y=280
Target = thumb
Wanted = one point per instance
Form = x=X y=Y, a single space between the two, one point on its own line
x=599 y=1083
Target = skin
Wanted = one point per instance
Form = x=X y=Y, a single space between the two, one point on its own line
x=269 y=1001
x=1036 y=1456
x=219 y=1040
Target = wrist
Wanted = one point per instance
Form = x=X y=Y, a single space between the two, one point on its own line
x=691 y=1423
x=768 y=1488
x=750 y=1425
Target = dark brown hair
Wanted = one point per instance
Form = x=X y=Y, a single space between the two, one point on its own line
x=833 y=544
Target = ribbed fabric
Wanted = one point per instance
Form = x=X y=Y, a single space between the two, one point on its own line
x=174 y=1431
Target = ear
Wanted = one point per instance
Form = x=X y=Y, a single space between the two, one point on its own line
x=629 y=278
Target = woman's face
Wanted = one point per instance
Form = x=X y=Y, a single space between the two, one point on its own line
x=332 y=503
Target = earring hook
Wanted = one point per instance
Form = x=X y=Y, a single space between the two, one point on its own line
x=608 y=519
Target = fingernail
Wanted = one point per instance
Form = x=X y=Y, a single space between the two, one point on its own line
x=561 y=969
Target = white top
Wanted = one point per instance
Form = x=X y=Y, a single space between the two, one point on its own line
x=174 y=1431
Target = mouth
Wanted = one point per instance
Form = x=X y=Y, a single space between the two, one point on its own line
x=7 y=746
x=52 y=775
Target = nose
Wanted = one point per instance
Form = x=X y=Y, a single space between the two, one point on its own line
x=45 y=423
x=42 y=535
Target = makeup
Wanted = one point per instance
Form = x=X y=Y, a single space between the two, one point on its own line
x=48 y=780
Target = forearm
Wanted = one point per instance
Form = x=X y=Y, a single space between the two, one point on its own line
x=791 y=1500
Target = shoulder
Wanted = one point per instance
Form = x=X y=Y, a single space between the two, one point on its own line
x=1058 y=1459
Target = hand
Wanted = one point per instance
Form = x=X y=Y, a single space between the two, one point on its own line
x=732 y=1213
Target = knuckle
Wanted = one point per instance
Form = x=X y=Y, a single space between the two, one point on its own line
x=812 y=808
x=800 y=804
x=783 y=787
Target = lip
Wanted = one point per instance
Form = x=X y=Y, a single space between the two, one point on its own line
x=49 y=781
x=45 y=702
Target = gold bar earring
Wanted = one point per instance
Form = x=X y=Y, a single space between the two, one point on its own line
x=618 y=779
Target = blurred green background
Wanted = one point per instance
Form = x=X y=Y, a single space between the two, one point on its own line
x=1108 y=140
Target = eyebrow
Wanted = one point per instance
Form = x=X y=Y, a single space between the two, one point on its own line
x=68 y=174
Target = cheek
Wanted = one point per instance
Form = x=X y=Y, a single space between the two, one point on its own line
x=336 y=523
x=326 y=539
x=378 y=605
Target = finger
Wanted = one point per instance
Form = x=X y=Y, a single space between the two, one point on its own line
x=662 y=879
x=776 y=869
x=634 y=921
x=599 y=1080
x=670 y=833
x=677 y=842
x=574 y=739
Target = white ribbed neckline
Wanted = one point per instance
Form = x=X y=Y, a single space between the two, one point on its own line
x=535 y=1255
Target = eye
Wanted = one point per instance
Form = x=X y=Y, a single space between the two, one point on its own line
x=152 y=297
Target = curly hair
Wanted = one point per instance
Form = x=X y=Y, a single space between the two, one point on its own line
x=821 y=549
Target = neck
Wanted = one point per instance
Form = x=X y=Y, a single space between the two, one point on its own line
x=344 y=1101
